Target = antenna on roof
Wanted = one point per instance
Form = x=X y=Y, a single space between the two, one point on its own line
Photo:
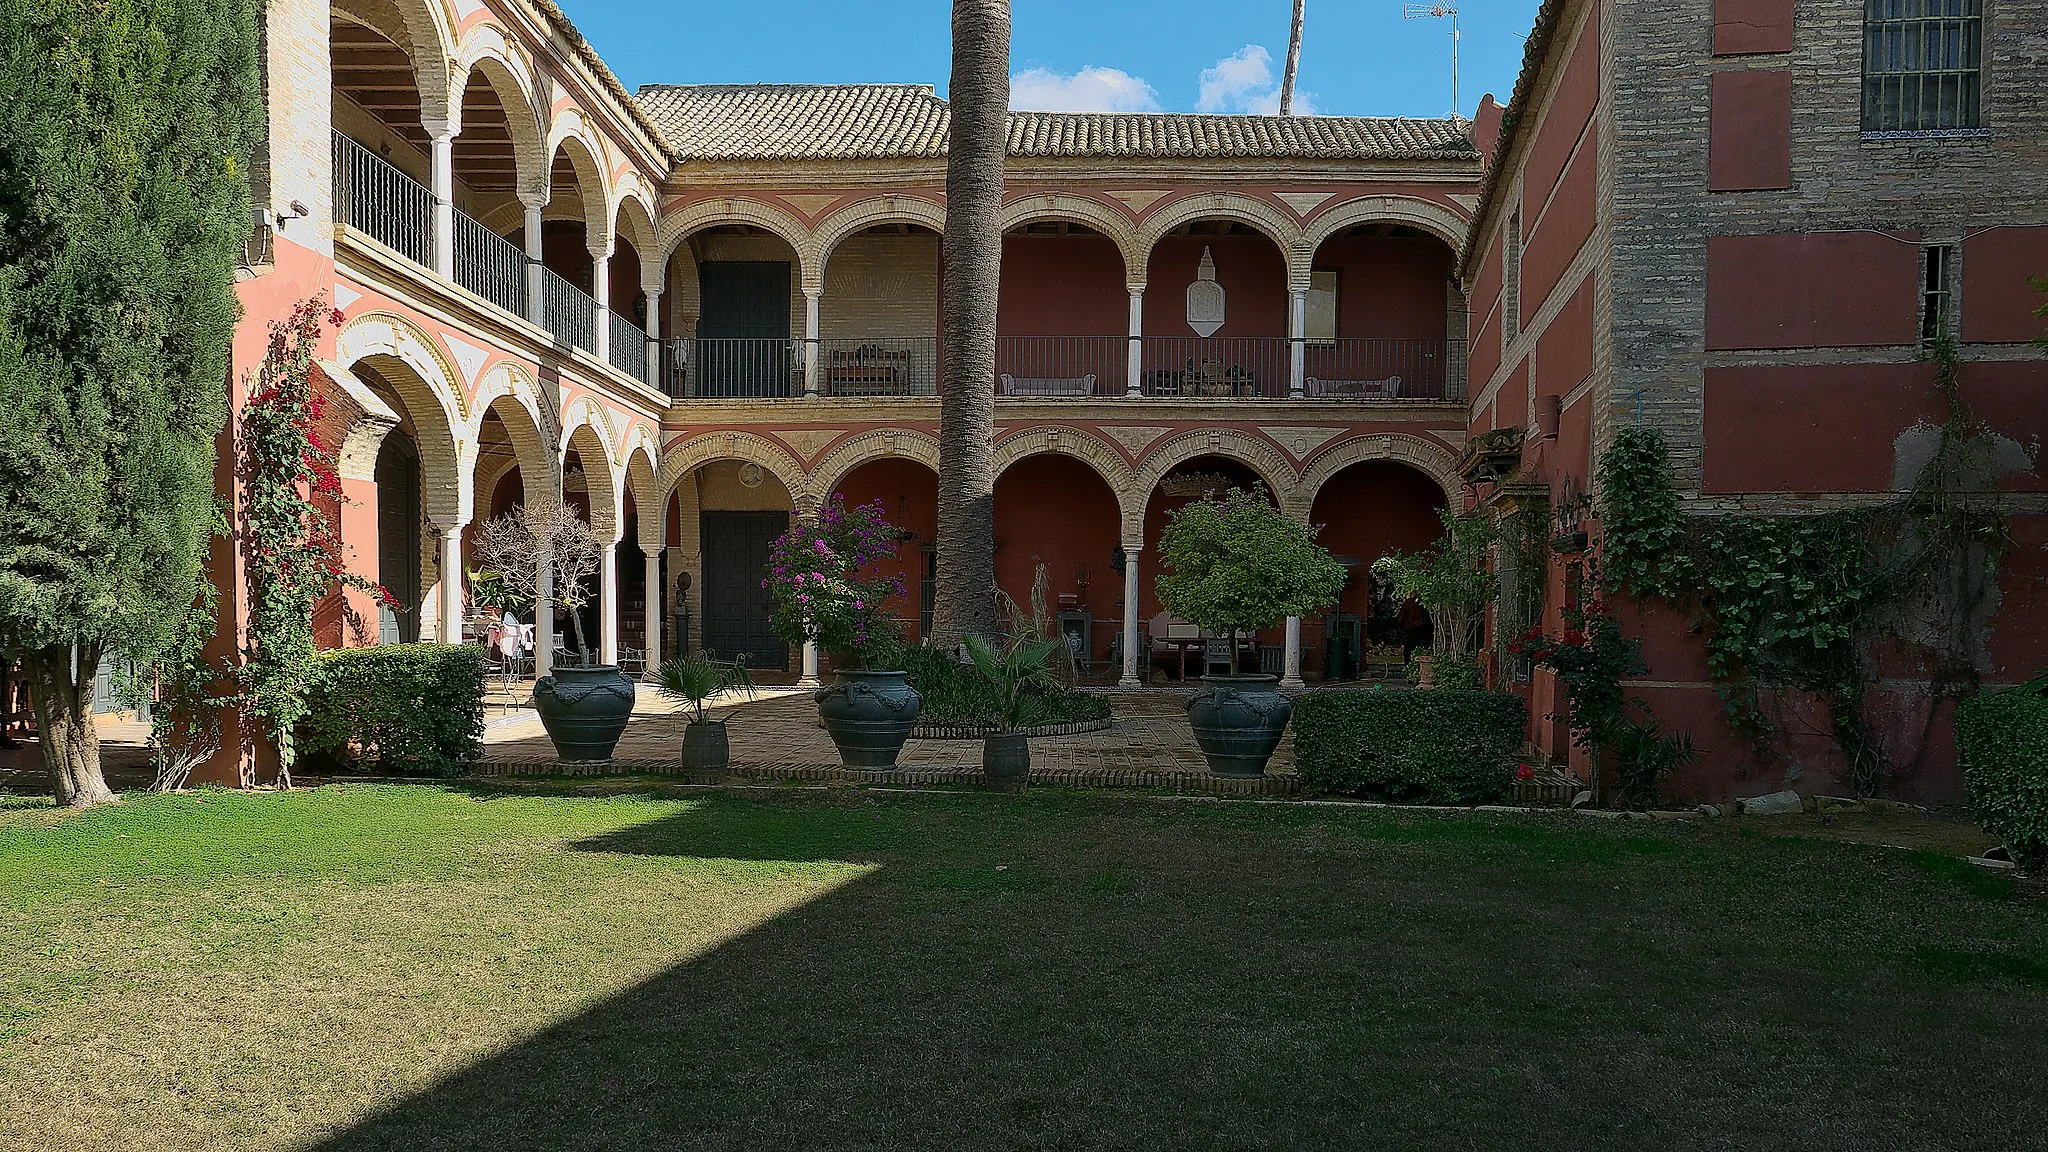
x=1440 y=11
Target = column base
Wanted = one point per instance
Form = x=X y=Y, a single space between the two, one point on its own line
x=1294 y=682
x=1129 y=683
x=809 y=682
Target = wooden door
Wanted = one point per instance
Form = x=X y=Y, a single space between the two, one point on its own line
x=743 y=346
x=736 y=607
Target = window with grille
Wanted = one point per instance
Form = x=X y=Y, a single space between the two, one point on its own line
x=1511 y=282
x=1934 y=289
x=1922 y=65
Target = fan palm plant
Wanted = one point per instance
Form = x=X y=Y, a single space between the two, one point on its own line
x=693 y=680
x=1017 y=670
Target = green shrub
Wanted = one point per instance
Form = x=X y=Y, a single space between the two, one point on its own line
x=414 y=709
x=2002 y=741
x=1440 y=746
x=959 y=695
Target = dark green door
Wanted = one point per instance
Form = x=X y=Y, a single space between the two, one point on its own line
x=398 y=537
x=735 y=605
x=743 y=344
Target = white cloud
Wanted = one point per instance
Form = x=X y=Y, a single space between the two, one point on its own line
x=1092 y=89
x=1244 y=82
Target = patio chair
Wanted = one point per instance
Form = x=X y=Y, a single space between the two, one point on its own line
x=1217 y=655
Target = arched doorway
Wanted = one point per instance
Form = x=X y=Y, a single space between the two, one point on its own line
x=1369 y=510
x=1055 y=511
x=398 y=537
x=908 y=492
x=1185 y=483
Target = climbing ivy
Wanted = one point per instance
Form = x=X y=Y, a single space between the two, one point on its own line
x=1640 y=523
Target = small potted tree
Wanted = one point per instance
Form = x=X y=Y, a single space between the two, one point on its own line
x=1017 y=670
x=821 y=592
x=1236 y=564
x=693 y=680
x=1454 y=583
x=552 y=550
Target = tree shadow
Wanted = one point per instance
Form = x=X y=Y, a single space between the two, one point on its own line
x=1124 y=975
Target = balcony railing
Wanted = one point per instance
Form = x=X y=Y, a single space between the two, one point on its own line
x=373 y=197
x=728 y=368
x=490 y=265
x=898 y=366
x=1214 y=367
x=628 y=347
x=568 y=311
x=1055 y=367
x=1375 y=370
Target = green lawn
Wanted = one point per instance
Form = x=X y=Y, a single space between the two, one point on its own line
x=415 y=968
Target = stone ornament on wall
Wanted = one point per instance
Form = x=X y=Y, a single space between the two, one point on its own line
x=1205 y=298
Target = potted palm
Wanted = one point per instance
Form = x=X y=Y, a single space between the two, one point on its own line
x=552 y=550
x=1235 y=564
x=822 y=591
x=693 y=680
x=1016 y=670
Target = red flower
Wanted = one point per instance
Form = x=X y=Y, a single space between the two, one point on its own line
x=337 y=317
x=1524 y=772
x=1573 y=637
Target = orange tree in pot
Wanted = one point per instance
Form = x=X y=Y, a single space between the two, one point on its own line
x=1235 y=564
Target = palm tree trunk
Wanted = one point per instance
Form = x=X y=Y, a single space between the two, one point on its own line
x=1293 y=63
x=64 y=727
x=972 y=261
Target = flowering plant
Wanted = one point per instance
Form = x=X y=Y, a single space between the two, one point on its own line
x=289 y=496
x=815 y=582
x=1591 y=658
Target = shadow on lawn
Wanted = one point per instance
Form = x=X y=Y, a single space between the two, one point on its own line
x=1018 y=975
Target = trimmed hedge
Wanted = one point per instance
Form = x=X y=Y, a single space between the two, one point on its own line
x=958 y=695
x=2002 y=742
x=410 y=709
x=1433 y=746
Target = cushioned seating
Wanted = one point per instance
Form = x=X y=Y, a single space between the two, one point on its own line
x=1389 y=387
x=1048 y=385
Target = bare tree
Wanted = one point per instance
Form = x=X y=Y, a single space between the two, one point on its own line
x=511 y=548
x=1293 y=63
x=973 y=252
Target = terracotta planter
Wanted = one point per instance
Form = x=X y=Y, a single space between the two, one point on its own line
x=1238 y=721
x=585 y=710
x=869 y=715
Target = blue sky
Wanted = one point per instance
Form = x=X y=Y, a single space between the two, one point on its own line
x=1359 y=57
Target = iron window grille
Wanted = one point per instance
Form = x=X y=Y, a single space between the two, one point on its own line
x=1923 y=63
x=1938 y=267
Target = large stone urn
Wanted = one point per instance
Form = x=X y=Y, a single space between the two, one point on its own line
x=584 y=709
x=869 y=715
x=1238 y=721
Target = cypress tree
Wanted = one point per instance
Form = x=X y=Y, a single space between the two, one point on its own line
x=124 y=207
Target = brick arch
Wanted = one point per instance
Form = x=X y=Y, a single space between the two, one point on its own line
x=485 y=49
x=633 y=211
x=880 y=444
x=1256 y=453
x=422 y=29
x=865 y=214
x=527 y=421
x=1434 y=460
x=1104 y=218
x=1433 y=218
x=678 y=226
x=573 y=134
x=640 y=480
x=1061 y=440
x=603 y=478
x=421 y=376
x=1275 y=224
x=680 y=459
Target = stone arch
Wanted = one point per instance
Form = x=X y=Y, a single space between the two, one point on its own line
x=428 y=40
x=1434 y=460
x=682 y=458
x=1433 y=218
x=485 y=49
x=589 y=434
x=527 y=421
x=573 y=134
x=1257 y=453
x=678 y=226
x=879 y=444
x=865 y=214
x=408 y=359
x=634 y=208
x=1275 y=224
x=649 y=502
x=1107 y=462
x=1109 y=221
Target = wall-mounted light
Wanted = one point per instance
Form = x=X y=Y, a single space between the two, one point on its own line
x=296 y=211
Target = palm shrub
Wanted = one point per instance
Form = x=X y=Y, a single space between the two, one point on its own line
x=1234 y=564
x=696 y=678
x=1015 y=670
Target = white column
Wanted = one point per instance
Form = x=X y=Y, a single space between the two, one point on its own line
x=444 y=198
x=1134 y=383
x=451 y=584
x=601 y=292
x=1297 y=337
x=1131 y=637
x=544 y=620
x=814 y=372
x=653 y=611
x=1290 y=668
x=810 y=674
x=653 y=335
x=533 y=262
x=608 y=605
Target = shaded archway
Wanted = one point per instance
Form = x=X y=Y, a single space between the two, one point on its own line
x=908 y=492
x=1368 y=510
x=729 y=512
x=399 y=533
x=733 y=310
x=1064 y=325
x=1171 y=640
x=1056 y=510
x=1216 y=311
x=1385 y=318
x=878 y=313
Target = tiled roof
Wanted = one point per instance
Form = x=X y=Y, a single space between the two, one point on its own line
x=907 y=121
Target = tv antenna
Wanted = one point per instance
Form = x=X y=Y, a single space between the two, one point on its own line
x=1439 y=12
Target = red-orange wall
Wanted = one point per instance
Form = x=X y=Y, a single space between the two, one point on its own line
x=909 y=495
x=1390 y=287
x=1250 y=268
x=1055 y=509
x=1063 y=286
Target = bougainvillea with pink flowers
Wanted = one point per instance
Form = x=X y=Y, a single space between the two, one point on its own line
x=294 y=553
x=821 y=582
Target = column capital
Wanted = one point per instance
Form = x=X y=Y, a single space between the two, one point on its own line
x=437 y=128
x=1137 y=289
